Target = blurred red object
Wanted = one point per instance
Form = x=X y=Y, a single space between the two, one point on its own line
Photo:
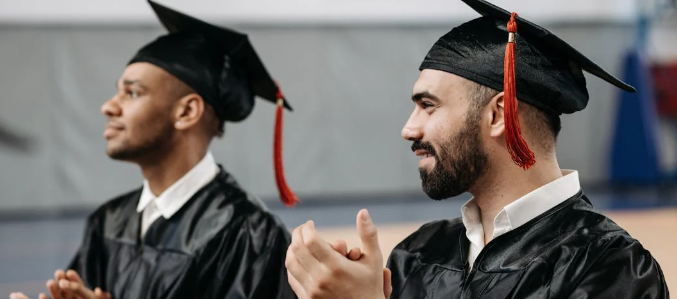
x=665 y=80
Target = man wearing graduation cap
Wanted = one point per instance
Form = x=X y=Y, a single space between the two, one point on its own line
x=191 y=231
x=529 y=231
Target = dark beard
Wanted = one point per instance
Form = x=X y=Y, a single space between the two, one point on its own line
x=460 y=163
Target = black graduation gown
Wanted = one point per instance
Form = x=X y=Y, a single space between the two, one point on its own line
x=221 y=244
x=570 y=251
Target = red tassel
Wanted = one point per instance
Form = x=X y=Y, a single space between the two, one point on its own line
x=517 y=146
x=286 y=195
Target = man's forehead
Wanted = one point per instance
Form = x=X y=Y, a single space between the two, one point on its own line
x=439 y=83
x=145 y=72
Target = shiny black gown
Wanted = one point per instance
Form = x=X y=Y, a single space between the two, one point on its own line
x=221 y=244
x=571 y=251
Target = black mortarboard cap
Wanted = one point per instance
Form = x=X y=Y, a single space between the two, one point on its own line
x=548 y=71
x=220 y=64
x=505 y=52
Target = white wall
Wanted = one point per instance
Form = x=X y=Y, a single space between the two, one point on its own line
x=308 y=11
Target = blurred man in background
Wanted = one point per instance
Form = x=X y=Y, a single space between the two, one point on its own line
x=191 y=231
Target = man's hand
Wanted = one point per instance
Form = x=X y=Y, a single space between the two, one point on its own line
x=341 y=247
x=356 y=253
x=67 y=285
x=52 y=287
x=319 y=270
x=20 y=296
x=71 y=286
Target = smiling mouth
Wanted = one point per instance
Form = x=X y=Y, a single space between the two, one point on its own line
x=423 y=154
x=111 y=131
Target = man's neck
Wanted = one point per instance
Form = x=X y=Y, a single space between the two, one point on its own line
x=171 y=167
x=504 y=187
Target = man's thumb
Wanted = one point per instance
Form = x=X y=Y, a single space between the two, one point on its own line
x=368 y=234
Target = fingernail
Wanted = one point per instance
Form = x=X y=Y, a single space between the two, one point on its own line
x=305 y=231
x=365 y=216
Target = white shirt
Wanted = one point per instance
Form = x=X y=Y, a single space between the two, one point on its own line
x=172 y=199
x=518 y=212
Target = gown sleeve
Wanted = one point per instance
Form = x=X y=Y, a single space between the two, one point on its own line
x=410 y=277
x=249 y=261
x=402 y=265
x=624 y=270
x=89 y=260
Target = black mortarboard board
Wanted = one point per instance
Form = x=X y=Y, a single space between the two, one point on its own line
x=548 y=71
x=220 y=64
x=505 y=52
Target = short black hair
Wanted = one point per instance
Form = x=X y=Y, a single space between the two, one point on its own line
x=480 y=95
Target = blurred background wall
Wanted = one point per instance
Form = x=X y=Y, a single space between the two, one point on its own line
x=347 y=67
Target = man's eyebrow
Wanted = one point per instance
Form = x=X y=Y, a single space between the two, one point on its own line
x=133 y=82
x=127 y=82
x=424 y=95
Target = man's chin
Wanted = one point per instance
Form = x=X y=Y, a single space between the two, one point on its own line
x=439 y=195
x=438 y=189
x=119 y=154
x=116 y=156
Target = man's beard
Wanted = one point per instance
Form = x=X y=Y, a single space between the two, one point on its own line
x=458 y=165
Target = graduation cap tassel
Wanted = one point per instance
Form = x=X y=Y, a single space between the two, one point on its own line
x=517 y=146
x=286 y=195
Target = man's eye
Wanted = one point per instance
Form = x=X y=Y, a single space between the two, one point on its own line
x=133 y=94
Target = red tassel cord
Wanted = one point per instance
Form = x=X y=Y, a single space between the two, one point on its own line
x=517 y=146
x=286 y=195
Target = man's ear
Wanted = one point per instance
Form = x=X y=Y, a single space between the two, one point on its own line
x=497 y=124
x=188 y=111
